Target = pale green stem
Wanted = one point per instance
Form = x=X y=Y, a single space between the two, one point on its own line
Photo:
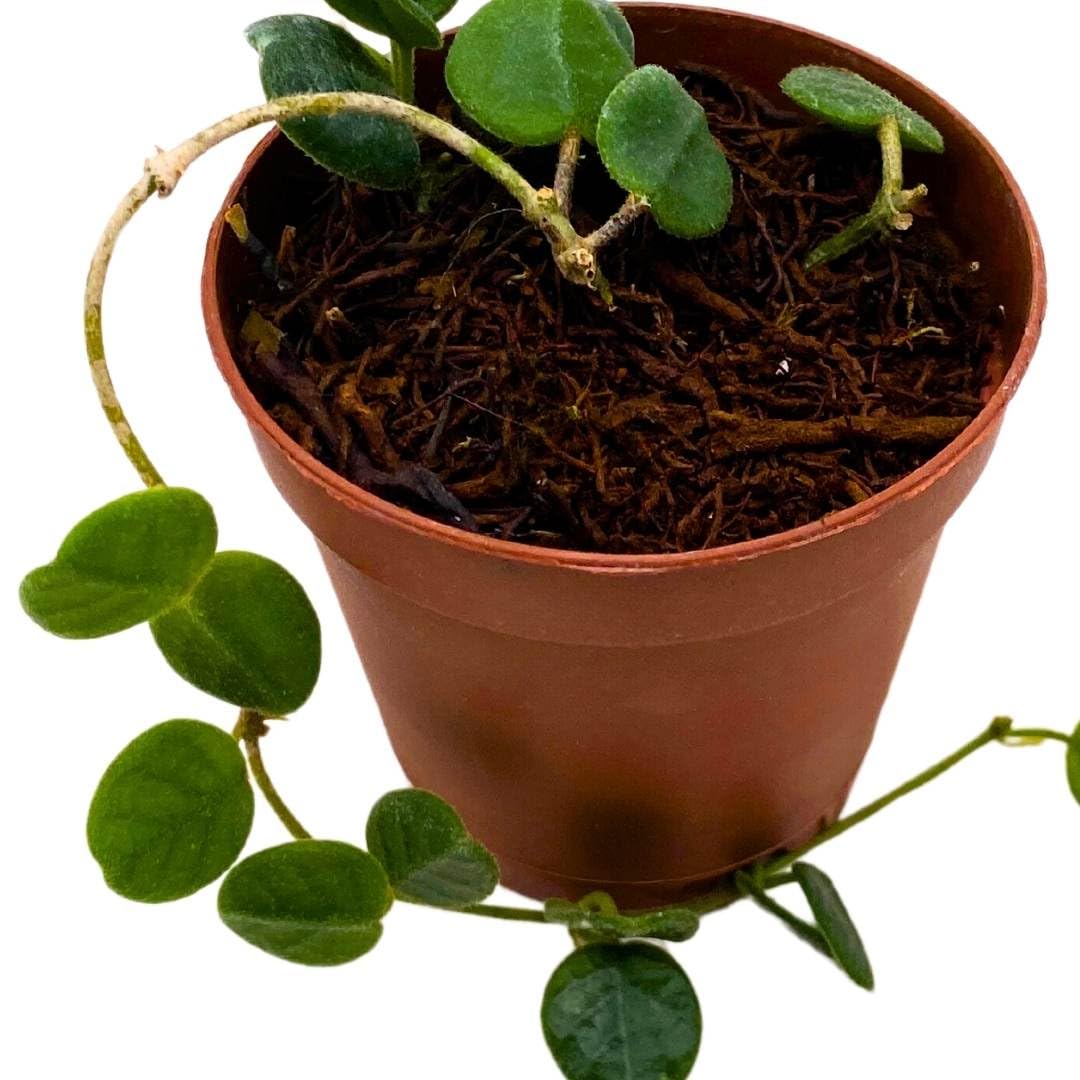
x=1000 y=731
x=402 y=66
x=891 y=209
x=164 y=171
x=250 y=728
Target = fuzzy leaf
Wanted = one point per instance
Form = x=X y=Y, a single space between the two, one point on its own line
x=835 y=924
x=315 y=902
x=852 y=103
x=172 y=812
x=530 y=72
x=670 y=924
x=654 y=139
x=301 y=54
x=621 y=1012
x=1072 y=763
x=427 y=852
x=123 y=564
x=408 y=22
x=247 y=634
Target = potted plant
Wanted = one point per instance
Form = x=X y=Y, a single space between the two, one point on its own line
x=523 y=455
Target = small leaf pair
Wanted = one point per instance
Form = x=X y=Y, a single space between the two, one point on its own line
x=321 y=902
x=533 y=74
x=234 y=624
x=668 y=924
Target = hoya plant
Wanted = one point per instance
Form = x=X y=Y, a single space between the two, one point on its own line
x=172 y=813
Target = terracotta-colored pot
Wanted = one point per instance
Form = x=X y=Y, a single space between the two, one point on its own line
x=645 y=724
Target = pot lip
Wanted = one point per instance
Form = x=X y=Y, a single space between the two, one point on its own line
x=910 y=487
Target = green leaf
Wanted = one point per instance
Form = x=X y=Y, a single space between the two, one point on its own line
x=1072 y=763
x=529 y=73
x=654 y=139
x=408 y=22
x=670 y=924
x=835 y=924
x=621 y=1012
x=123 y=564
x=172 y=812
x=300 y=54
x=426 y=851
x=852 y=103
x=246 y=633
x=315 y=902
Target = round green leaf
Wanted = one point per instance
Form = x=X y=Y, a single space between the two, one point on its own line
x=654 y=139
x=1072 y=764
x=246 y=633
x=669 y=924
x=408 y=22
x=529 y=73
x=621 y=1012
x=835 y=924
x=300 y=54
x=852 y=103
x=172 y=812
x=123 y=564
x=428 y=855
x=316 y=902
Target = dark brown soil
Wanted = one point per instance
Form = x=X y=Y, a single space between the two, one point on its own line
x=438 y=358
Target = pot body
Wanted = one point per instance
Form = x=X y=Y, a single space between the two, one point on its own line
x=645 y=725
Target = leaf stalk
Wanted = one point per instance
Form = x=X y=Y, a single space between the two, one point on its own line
x=891 y=208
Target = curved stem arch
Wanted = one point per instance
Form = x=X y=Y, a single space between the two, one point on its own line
x=163 y=172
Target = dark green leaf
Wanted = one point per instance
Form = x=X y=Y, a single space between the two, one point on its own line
x=426 y=851
x=670 y=924
x=408 y=22
x=123 y=564
x=172 y=812
x=531 y=72
x=621 y=1012
x=247 y=633
x=299 y=54
x=316 y=902
x=852 y=103
x=835 y=923
x=654 y=139
x=1072 y=764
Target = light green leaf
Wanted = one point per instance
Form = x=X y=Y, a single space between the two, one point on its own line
x=408 y=22
x=835 y=924
x=621 y=1012
x=315 y=902
x=530 y=72
x=247 y=634
x=654 y=139
x=669 y=924
x=1072 y=763
x=300 y=54
x=426 y=851
x=172 y=812
x=852 y=103
x=123 y=564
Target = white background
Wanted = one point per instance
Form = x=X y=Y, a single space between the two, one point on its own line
x=967 y=894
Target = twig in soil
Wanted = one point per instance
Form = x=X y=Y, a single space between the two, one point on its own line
x=740 y=435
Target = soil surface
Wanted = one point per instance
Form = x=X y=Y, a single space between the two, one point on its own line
x=433 y=354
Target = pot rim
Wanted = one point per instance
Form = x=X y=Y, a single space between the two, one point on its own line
x=904 y=490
